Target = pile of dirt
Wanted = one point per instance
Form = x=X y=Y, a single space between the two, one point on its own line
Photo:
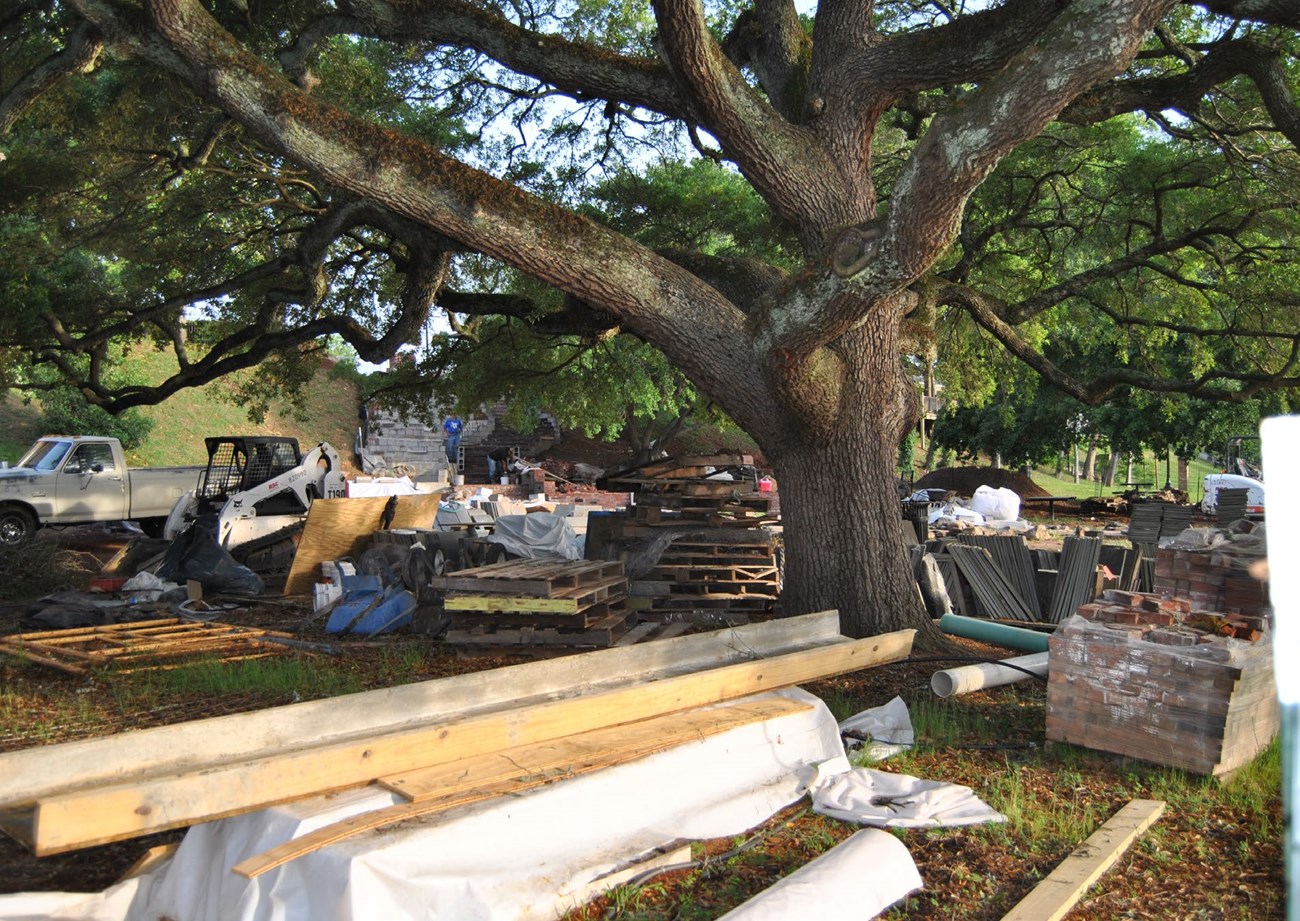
x=965 y=480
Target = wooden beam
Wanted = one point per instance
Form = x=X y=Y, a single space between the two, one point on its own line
x=1052 y=899
x=30 y=774
x=99 y=815
x=471 y=780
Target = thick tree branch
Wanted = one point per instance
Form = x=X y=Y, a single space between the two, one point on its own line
x=1269 y=12
x=80 y=55
x=580 y=70
x=701 y=331
x=987 y=312
x=1186 y=91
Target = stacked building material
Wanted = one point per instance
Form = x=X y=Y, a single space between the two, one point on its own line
x=538 y=607
x=730 y=576
x=719 y=490
x=1156 y=677
x=1214 y=578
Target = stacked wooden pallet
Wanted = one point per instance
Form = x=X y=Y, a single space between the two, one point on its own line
x=532 y=606
x=717 y=490
x=699 y=573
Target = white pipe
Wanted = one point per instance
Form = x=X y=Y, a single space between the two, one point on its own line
x=967 y=678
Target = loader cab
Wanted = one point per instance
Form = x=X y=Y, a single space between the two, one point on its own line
x=241 y=464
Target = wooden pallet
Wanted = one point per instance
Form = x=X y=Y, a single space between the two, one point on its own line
x=600 y=635
x=534 y=578
x=143 y=644
x=569 y=601
x=579 y=620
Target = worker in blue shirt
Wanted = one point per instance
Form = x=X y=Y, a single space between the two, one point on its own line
x=453 y=427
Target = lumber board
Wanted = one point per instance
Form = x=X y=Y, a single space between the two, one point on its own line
x=461 y=783
x=1053 y=898
x=99 y=815
x=416 y=511
x=30 y=774
x=335 y=528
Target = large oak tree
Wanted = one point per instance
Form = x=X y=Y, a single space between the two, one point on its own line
x=869 y=135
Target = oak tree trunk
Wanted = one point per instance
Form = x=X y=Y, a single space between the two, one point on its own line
x=840 y=508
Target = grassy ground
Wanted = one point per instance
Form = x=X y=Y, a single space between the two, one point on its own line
x=1215 y=855
x=1149 y=472
x=329 y=413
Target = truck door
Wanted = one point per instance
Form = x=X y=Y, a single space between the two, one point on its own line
x=91 y=486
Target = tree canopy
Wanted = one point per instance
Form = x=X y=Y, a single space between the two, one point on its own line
x=1103 y=190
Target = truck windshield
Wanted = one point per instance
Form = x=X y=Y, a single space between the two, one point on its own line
x=45 y=455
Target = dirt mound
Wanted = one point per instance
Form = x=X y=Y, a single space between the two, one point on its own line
x=965 y=480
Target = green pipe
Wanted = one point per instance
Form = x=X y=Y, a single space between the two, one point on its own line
x=998 y=634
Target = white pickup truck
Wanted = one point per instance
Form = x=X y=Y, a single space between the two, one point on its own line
x=64 y=480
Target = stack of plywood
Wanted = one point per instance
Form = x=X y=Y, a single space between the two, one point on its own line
x=1148 y=677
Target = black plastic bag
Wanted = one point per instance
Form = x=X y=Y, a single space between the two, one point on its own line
x=195 y=554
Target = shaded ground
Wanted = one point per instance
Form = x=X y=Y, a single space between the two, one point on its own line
x=965 y=480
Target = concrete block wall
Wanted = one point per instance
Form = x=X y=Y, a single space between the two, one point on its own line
x=412 y=443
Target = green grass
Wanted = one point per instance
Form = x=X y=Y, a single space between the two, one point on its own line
x=304 y=678
x=1149 y=471
x=181 y=423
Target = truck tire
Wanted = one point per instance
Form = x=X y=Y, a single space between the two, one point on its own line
x=17 y=525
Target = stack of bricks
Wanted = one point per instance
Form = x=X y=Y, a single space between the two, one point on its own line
x=1169 y=621
x=1213 y=579
x=1164 y=678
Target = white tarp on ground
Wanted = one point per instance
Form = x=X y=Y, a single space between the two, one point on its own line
x=518 y=857
x=871 y=797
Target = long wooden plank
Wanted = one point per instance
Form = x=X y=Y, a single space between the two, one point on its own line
x=645 y=735
x=30 y=774
x=1053 y=898
x=444 y=787
x=100 y=815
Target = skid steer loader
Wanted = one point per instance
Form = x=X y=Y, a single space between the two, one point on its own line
x=260 y=488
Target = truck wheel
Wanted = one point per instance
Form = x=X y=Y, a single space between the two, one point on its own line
x=17 y=525
x=153 y=527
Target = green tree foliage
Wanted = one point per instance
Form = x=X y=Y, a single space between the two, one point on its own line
x=1101 y=191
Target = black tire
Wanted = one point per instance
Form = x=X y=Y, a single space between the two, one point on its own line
x=17 y=525
x=153 y=527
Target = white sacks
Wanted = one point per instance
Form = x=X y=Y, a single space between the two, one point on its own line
x=999 y=504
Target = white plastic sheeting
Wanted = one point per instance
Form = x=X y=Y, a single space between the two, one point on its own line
x=518 y=858
x=858 y=879
x=888 y=728
x=877 y=798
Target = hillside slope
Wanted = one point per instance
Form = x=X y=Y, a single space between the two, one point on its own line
x=181 y=423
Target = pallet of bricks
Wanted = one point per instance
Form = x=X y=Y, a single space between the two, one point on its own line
x=1182 y=676
x=538 y=608
x=716 y=490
